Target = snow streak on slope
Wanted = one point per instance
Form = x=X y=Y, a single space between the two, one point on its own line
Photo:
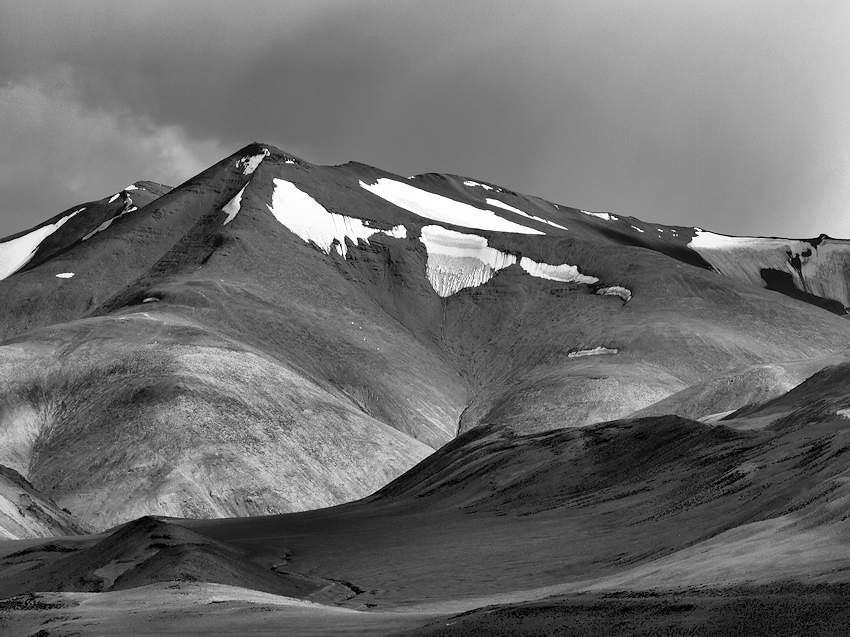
x=128 y=208
x=231 y=208
x=438 y=208
x=601 y=215
x=16 y=253
x=566 y=273
x=457 y=260
x=499 y=204
x=470 y=182
x=307 y=218
x=596 y=351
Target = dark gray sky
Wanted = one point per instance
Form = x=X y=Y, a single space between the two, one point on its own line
x=729 y=115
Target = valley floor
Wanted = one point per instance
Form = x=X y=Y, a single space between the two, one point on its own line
x=181 y=608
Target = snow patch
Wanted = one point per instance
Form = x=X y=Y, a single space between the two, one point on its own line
x=596 y=351
x=308 y=219
x=565 y=273
x=231 y=208
x=16 y=253
x=114 y=197
x=616 y=290
x=504 y=206
x=601 y=215
x=457 y=260
x=638 y=229
x=469 y=182
x=131 y=187
x=844 y=413
x=64 y=275
x=438 y=208
x=249 y=164
x=150 y=299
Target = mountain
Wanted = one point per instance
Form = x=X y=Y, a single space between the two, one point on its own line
x=150 y=336
x=338 y=393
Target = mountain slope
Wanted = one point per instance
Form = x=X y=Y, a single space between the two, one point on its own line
x=24 y=512
x=275 y=336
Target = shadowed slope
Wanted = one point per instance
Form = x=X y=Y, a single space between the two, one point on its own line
x=494 y=512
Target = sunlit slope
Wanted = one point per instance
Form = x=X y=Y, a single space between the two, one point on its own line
x=139 y=413
x=25 y=512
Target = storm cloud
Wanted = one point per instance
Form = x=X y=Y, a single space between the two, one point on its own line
x=725 y=115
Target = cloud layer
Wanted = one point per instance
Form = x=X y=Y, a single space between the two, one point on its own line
x=725 y=115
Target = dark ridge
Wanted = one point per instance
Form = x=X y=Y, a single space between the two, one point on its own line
x=47 y=222
x=545 y=470
x=96 y=212
x=783 y=282
x=817 y=240
x=441 y=177
x=676 y=251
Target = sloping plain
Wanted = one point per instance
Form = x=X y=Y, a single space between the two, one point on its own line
x=201 y=369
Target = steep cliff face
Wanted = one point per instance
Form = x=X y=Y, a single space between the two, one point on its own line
x=803 y=268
